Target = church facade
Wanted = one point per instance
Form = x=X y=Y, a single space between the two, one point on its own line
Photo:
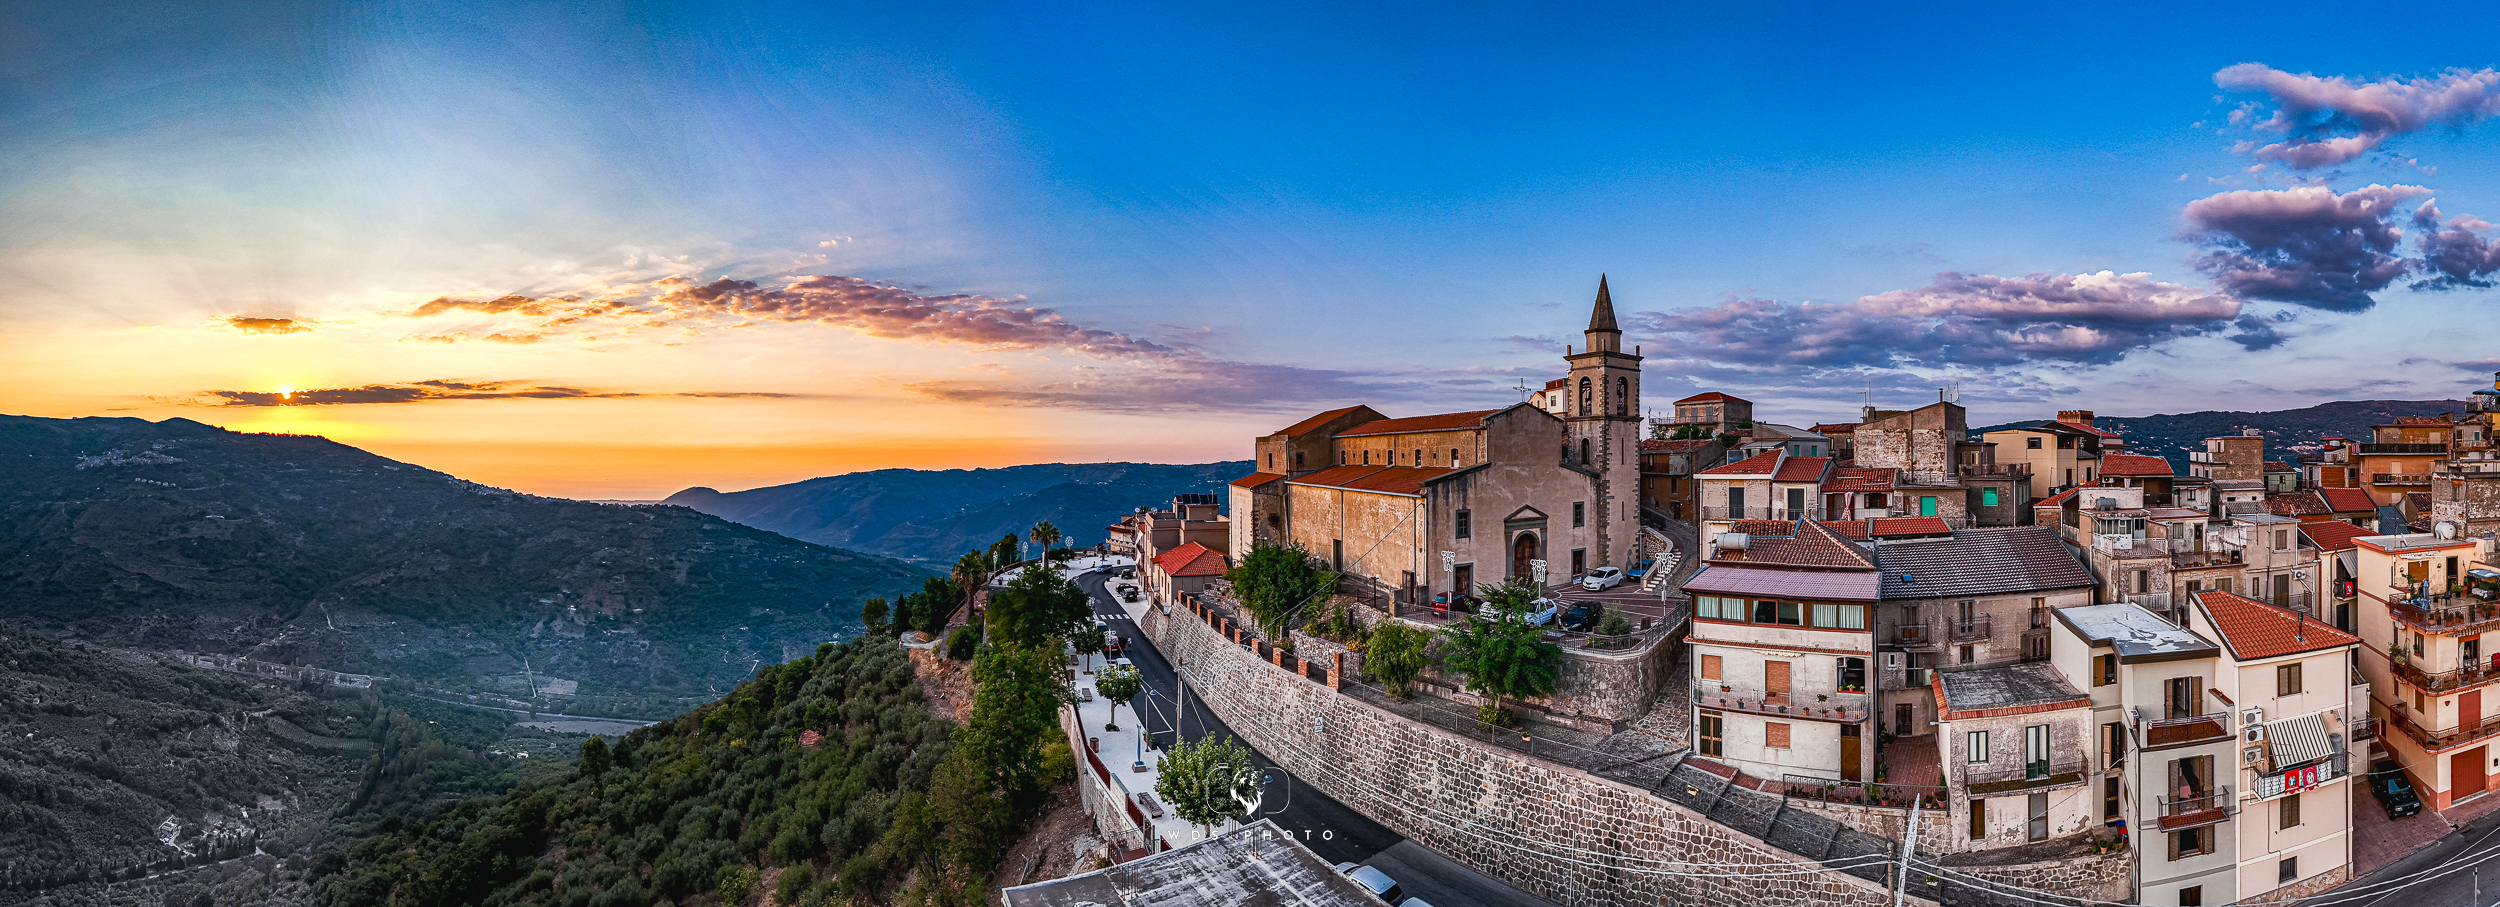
x=1417 y=506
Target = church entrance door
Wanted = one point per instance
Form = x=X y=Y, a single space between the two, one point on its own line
x=1521 y=553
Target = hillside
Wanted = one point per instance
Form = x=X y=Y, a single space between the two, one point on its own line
x=930 y=515
x=299 y=550
x=2173 y=435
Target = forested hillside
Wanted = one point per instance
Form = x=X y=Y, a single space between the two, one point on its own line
x=2173 y=436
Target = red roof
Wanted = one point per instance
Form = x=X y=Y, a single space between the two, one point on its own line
x=1313 y=423
x=2298 y=503
x=1866 y=478
x=2057 y=499
x=2280 y=466
x=1825 y=428
x=1813 y=545
x=1827 y=585
x=1442 y=422
x=1192 y=559
x=1889 y=527
x=2078 y=426
x=2348 y=500
x=1255 y=479
x=2119 y=464
x=2254 y=629
x=1406 y=480
x=2333 y=536
x=1803 y=469
x=1712 y=397
x=1761 y=464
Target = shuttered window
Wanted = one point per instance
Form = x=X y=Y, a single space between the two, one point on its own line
x=1710 y=667
x=2287 y=679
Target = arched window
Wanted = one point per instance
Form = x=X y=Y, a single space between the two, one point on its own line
x=1587 y=408
x=1623 y=396
x=1584 y=451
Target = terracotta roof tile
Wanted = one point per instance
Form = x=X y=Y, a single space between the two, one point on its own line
x=1406 y=480
x=1803 y=469
x=1712 y=397
x=2280 y=466
x=2298 y=503
x=1440 y=422
x=2333 y=536
x=2119 y=464
x=1192 y=559
x=2254 y=629
x=1255 y=479
x=2057 y=499
x=1860 y=479
x=2348 y=500
x=1313 y=423
x=1763 y=527
x=2086 y=429
x=1761 y=464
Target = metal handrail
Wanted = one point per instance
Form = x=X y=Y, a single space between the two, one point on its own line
x=2029 y=774
x=2217 y=800
x=2444 y=681
x=1974 y=627
x=1843 y=707
x=2221 y=722
x=1863 y=793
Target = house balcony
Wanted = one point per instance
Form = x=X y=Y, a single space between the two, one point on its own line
x=2448 y=681
x=2437 y=739
x=2192 y=729
x=2128 y=546
x=1844 y=708
x=2383 y=478
x=2206 y=457
x=1965 y=629
x=2367 y=449
x=2214 y=806
x=2026 y=778
x=2036 y=645
x=2275 y=784
x=1809 y=513
x=2188 y=556
x=1917 y=635
x=1724 y=512
x=2445 y=614
x=2014 y=471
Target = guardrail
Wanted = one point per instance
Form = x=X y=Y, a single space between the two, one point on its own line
x=2441 y=738
x=2444 y=613
x=2191 y=729
x=2400 y=478
x=2404 y=448
x=1864 y=793
x=1847 y=708
x=2445 y=681
x=2189 y=812
x=1973 y=627
x=2028 y=776
x=2275 y=784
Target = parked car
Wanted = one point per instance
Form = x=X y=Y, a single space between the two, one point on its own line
x=1379 y=883
x=2393 y=789
x=1413 y=902
x=1602 y=578
x=1642 y=569
x=1582 y=616
x=1542 y=611
x=1128 y=593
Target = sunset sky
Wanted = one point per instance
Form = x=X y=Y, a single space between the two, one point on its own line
x=618 y=254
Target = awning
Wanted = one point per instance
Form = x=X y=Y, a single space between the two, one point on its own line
x=2482 y=573
x=1758 y=582
x=2298 y=741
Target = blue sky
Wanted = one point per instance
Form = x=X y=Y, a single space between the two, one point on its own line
x=1265 y=210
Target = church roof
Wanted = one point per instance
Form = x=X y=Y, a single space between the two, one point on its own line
x=1602 y=317
x=1313 y=423
x=1440 y=422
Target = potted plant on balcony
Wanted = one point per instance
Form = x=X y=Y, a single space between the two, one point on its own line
x=2395 y=653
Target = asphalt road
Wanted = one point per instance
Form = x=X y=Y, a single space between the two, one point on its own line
x=2449 y=873
x=1331 y=829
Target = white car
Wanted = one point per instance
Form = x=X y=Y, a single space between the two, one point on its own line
x=1373 y=880
x=1602 y=578
x=1542 y=611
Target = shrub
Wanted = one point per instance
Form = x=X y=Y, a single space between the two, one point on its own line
x=1397 y=655
x=963 y=642
x=794 y=882
x=733 y=883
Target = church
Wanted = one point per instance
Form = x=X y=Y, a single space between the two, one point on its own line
x=1416 y=506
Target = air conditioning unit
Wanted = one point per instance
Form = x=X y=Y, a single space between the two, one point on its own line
x=2252 y=716
x=2252 y=755
x=2255 y=733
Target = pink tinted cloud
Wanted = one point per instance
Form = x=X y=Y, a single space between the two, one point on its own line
x=2455 y=254
x=2306 y=246
x=2333 y=120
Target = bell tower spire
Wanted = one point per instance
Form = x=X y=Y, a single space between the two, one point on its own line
x=1601 y=434
x=1603 y=335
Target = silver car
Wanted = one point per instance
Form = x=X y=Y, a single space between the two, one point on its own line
x=1373 y=880
x=1602 y=578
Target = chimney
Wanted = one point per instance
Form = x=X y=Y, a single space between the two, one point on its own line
x=2081 y=417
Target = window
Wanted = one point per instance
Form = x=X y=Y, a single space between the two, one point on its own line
x=1852 y=675
x=2110 y=799
x=1342 y=457
x=2143 y=582
x=1775 y=735
x=1453 y=456
x=2114 y=743
x=1465 y=524
x=1579 y=513
x=2104 y=670
x=1771 y=612
x=1710 y=666
x=2189 y=843
x=1975 y=748
x=1735 y=502
x=2288 y=871
x=1297 y=459
x=1965 y=655
x=1707 y=606
x=1336 y=555
x=1367 y=458
x=2032 y=443
x=2192 y=896
x=1710 y=722
x=1419 y=456
x=2287 y=679
x=1584 y=451
x=2287 y=812
x=2281 y=538
x=1271 y=462
x=1840 y=617
x=2183 y=697
x=2039 y=613
x=2036 y=751
x=1988 y=496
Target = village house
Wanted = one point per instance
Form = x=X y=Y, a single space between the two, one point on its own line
x=1781 y=649
x=1667 y=469
x=2236 y=466
x=1965 y=599
x=2425 y=614
x=1410 y=507
x=2017 y=757
x=1913 y=463
x=1714 y=412
x=2339 y=566
x=2058 y=454
x=1184 y=570
x=1192 y=518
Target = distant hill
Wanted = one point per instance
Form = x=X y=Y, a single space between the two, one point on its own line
x=934 y=515
x=300 y=550
x=2172 y=436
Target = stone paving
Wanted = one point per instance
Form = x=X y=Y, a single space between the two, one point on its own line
x=1912 y=761
x=2378 y=840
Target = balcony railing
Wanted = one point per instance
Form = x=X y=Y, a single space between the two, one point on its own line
x=2404 y=448
x=1995 y=470
x=2036 y=645
x=2420 y=478
x=1810 y=513
x=2208 y=555
x=2444 y=681
x=1924 y=633
x=2027 y=776
x=1847 y=708
x=2444 y=613
x=2197 y=809
x=2192 y=729
x=1863 y=793
x=2273 y=784
x=1967 y=628
x=2441 y=738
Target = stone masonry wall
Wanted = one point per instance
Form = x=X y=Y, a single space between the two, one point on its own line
x=1571 y=838
x=2103 y=877
x=1597 y=689
x=1935 y=827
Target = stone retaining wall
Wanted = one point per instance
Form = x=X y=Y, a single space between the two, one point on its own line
x=1571 y=838
x=1597 y=689
x=2102 y=877
x=1935 y=827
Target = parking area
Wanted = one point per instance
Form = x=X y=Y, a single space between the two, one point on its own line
x=1645 y=610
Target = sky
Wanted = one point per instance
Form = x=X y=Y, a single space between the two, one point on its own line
x=617 y=252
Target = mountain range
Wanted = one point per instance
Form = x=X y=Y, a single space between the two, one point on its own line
x=931 y=516
x=2172 y=436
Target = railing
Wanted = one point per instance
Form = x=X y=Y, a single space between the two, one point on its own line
x=1963 y=628
x=1723 y=512
x=2364 y=729
x=2400 y=478
x=2404 y=448
x=2210 y=555
x=1810 y=513
x=2273 y=784
x=2441 y=738
x=2191 y=811
x=1847 y=708
x=2027 y=776
x=2126 y=546
x=1995 y=470
x=2445 y=613
x=2036 y=645
x=2191 y=729
x=1912 y=634
x=1863 y=793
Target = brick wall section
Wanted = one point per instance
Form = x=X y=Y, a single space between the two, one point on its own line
x=1573 y=839
x=2104 y=877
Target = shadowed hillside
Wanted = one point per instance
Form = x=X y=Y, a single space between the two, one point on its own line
x=2172 y=436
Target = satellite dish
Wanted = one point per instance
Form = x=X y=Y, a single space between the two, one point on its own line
x=2445 y=530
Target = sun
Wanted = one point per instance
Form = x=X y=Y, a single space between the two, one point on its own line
x=286 y=391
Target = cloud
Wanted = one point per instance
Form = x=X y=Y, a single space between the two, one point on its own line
x=1194 y=383
x=268 y=325
x=2455 y=254
x=2333 y=120
x=1958 y=320
x=2255 y=333
x=439 y=389
x=895 y=313
x=2306 y=246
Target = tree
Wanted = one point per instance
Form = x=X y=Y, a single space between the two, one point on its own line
x=595 y=758
x=1006 y=552
x=1014 y=708
x=1045 y=535
x=1207 y=782
x=1505 y=657
x=1691 y=431
x=1037 y=605
x=1397 y=655
x=971 y=570
x=1088 y=641
x=1118 y=684
x=874 y=613
x=1513 y=597
x=1272 y=580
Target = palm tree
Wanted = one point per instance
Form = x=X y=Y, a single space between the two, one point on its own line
x=971 y=570
x=1045 y=535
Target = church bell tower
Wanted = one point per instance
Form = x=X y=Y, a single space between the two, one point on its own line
x=1603 y=434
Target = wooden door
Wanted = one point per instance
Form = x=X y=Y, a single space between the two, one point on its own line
x=1849 y=752
x=2470 y=710
x=1775 y=680
x=2465 y=774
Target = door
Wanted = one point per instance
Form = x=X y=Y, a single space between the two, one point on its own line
x=1848 y=752
x=1901 y=720
x=1736 y=502
x=1796 y=505
x=1926 y=505
x=2465 y=774
x=2039 y=817
x=1775 y=681
x=1521 y=553
x=2418 y=572
x=2469 y=710
x=1463 y=580
x=2282 y=590
x=2036 y=752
